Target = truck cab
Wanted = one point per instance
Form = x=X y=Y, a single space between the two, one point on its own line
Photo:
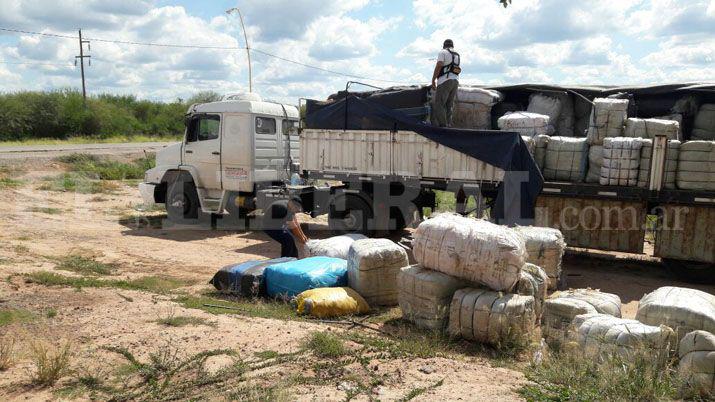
x=231 y=149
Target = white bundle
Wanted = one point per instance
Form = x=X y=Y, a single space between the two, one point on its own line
x=524 y=123
x=697 y=361
x=546 y=105
x=533 y=281
x=650 y=128
x=704 y=127
x=491 y=317
x=565 y=159
x=621 y=159
x=671 y=163
x=425 y=295
x=696 y=166
x=545 y=248
x=607 y=118
x=603 y=335
x=475 y=250
x=373 y=265
x=530 y=144
x=678 y=117
x=602 y=302
x=336 y=247
x=473 y=107
x=540 y=143
x=595 y=163
x=682 y=309
x=557 y=316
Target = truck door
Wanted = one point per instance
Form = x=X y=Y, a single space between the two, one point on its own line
x=202 y=149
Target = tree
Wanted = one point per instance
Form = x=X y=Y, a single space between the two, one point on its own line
x=505 y=3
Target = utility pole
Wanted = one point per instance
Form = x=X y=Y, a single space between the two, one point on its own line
x=81 y=58
x=248 y=47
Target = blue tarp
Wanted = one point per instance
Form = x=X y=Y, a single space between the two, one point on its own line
x=291 y=278
x=516 y=196
x=245 y=279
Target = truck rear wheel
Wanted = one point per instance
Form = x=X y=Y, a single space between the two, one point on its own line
x=691 y=271
x=182 y=201
x=354 y=218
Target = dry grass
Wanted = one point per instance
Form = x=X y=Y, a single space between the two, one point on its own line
x=51 y=361
x=7 y=351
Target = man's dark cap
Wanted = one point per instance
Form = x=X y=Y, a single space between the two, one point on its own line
x=447 y=44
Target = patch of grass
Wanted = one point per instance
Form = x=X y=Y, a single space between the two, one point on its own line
x=446 y=201
x=7 y=182
x=85 y=266
x=325 y=344
x=153 y=284
x=415 y=392
x=51 y=313
x=104 y=169
x=21 y=249
x=253 y=308
x=45 y=210
x=7 y=352
x=267 y=354
x=94 y=140
x=13 y=316
x=77 y=182
x=173 y=320
x=570 y=376
x=51 y=362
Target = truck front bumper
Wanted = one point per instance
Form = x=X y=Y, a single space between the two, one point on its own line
x=147 y=192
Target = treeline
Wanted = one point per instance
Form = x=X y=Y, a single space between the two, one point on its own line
x=62 y=114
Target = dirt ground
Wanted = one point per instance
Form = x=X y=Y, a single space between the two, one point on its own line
x=113 y=228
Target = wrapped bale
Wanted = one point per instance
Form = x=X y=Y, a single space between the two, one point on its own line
x=650 y=128
x=331 y=302
x=565 y=159
x=548 y=106
x=696 y=166
x=603 y=335
x=288 y=279
x=473 y=107
x=373 y=265
x=621 y=161
x=557 y=316
x=607 y=118
x=424 y=296
x=530 y=144
x=245 y=279
x=582 y=114
x=704 y=125
x=336 y=246
x=524 y=123
x=560 y=309
x=491 y=317
x=545 y=248
x=533 y=281
x=697 y=361
x=682 y=309
x=475 y=250
x=604 y=303
x=595 y=163
x=677 y=117
x=540 y=143
x=566 y=123
x=671 y=163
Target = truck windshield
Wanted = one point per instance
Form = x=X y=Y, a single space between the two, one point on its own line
x=290 y=127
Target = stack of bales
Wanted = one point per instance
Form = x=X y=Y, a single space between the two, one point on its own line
x=607 y=119
x=473 y=107
x=650 y=128
x=671 y=163
x=606 y=335
x=545 y=248
x=473 y=274
x=548 y=106
x=696 y=166
x=621 y=161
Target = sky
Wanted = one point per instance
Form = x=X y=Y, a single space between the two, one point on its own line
x=384 y=42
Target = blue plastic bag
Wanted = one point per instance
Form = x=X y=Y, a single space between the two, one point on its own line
x=291 y=278
x=244 y=279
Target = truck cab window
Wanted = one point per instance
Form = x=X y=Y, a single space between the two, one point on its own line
x=265 y=125
x=290 y=127
x=202 y=128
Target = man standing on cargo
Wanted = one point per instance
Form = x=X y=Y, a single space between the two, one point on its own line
x=445 y=81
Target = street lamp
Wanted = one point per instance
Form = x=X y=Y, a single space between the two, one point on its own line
x=248 y=47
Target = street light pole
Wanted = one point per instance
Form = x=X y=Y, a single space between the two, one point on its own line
x=248 y=47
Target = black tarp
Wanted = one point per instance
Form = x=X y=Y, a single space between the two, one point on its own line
x=516 y=196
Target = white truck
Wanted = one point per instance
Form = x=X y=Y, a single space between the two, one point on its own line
x=231 y=149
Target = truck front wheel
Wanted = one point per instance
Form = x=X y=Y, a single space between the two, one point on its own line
x=353 y=217
x=182 y=201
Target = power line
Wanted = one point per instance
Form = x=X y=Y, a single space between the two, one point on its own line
x=171 y=45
